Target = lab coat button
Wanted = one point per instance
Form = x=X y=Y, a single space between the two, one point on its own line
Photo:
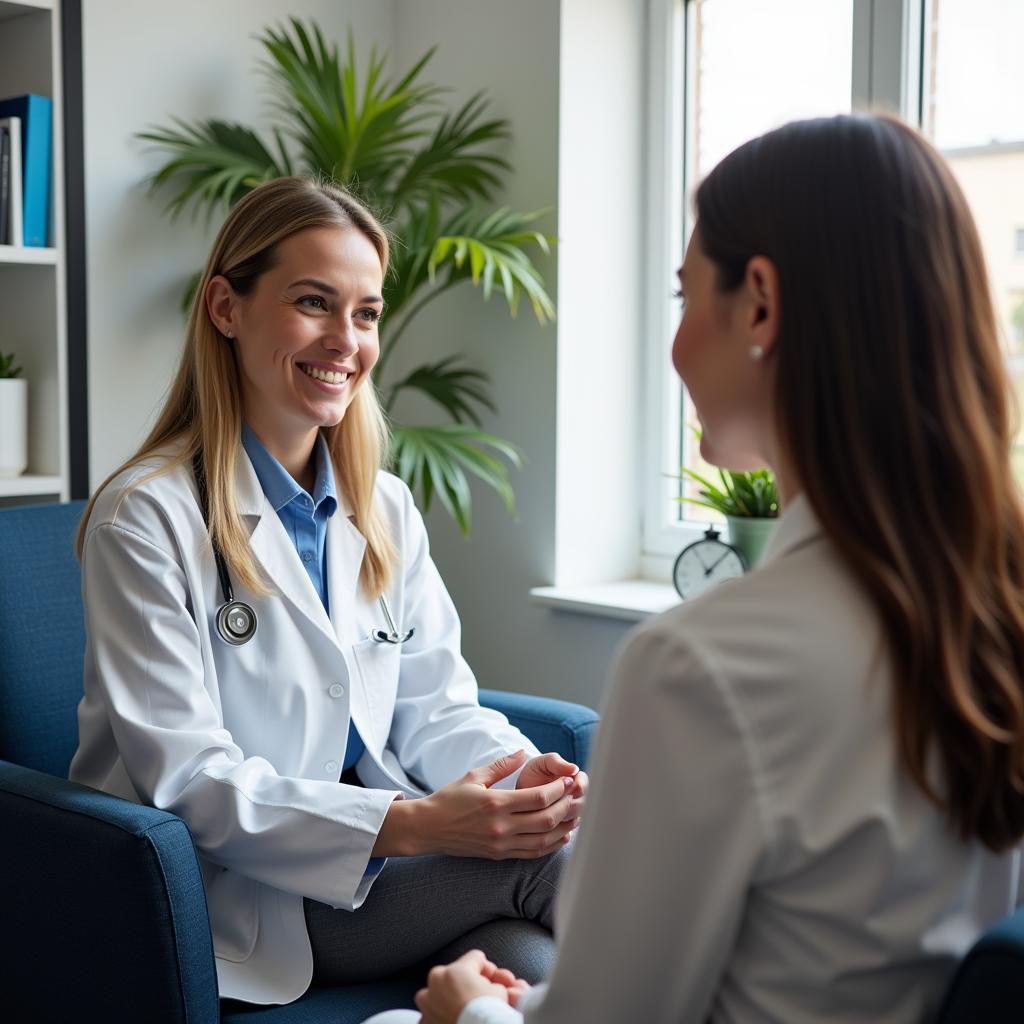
x=336 y=690
x=331 y=767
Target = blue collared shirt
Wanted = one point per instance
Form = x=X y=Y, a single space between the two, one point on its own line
x=305 y=521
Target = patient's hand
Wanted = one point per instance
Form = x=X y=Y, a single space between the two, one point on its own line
x=548 y=767
x=450 y=988
x=517 y=987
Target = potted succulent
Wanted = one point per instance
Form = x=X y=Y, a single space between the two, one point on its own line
x=750 y=503
x=13 y=418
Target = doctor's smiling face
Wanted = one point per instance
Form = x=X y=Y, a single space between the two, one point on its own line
x=305 y=337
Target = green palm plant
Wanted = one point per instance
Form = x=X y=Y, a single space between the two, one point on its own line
x=431 y=174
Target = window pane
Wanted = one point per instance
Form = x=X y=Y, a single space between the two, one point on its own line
x=753 y=65
x=973 y=112
x=759 y=65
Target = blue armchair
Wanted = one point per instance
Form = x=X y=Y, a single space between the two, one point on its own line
x=103 y=910
x=989 y=985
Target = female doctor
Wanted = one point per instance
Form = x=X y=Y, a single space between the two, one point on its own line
x=809 y=783
x=272 y=656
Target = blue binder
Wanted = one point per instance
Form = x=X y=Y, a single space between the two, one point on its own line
x=36 y=113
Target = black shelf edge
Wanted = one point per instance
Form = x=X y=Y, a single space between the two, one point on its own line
x=74 y=222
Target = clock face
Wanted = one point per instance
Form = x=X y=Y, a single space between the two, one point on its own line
x=703 y=564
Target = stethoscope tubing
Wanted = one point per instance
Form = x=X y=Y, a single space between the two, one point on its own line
x=236 y=621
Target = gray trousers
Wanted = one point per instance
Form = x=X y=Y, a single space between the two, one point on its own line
x=435 y=908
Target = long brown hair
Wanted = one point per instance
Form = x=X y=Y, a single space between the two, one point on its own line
x=203 y=410
x=894 y=406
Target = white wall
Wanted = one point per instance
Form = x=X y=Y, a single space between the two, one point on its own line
x=524 y=54
x=194 y=59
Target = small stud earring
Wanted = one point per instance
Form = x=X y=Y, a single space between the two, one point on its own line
x=756 y=353
x=231 y=334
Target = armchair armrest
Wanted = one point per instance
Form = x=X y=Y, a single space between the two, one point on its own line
x=110 y=894
x=553 y=725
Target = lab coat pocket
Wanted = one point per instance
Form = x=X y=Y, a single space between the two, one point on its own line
x=379 y=665
x=233 y=900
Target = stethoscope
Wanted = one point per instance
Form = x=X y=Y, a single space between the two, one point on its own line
x=236 y=621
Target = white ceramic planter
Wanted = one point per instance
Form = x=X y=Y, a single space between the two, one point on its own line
x=13 y=426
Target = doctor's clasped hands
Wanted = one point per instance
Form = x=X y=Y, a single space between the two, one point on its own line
x=471 y=818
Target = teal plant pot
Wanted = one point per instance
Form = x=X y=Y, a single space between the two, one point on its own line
x=749 y=536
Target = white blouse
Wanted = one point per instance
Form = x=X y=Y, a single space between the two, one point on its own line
x=753 y=849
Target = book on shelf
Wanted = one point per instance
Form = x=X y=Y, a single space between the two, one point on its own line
x=11 y=196
x=36 y=116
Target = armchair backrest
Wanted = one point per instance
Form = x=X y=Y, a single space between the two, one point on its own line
x=42 y=636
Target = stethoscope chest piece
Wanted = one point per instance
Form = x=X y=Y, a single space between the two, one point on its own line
x=382 y=636
x=236 y=623
x=391 y=635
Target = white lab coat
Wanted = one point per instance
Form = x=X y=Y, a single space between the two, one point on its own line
x=753 y=849
x=246 y=743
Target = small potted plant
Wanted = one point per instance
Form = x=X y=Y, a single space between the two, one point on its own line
x=13 y=418
x=750 y=503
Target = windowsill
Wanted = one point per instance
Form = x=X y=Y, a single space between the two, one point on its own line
x=630 y=600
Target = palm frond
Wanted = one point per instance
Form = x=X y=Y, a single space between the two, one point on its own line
x=435 y=460
x=455 y=388
x=474 y=245
x=483 y=246
x=450 y=164
x=214 y=164
x=354 y=132
x=410 y=254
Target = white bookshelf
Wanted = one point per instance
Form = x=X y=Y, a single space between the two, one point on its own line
x=21 y=254
x=30 y=484
x=33 y=288
x=9 y=9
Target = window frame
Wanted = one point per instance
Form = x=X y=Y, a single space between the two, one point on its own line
x=887 y=73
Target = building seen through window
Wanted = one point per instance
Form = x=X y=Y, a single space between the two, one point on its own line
x=972 y=110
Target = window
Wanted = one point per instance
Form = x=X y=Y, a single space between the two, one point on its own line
x=740 y=67
x=1017 y=319
x=722 y=72
x=972 y=84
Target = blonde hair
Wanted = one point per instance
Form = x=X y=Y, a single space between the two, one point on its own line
x=203 y=411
